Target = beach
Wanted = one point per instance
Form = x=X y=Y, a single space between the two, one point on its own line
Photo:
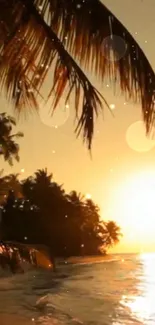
x=118 y=290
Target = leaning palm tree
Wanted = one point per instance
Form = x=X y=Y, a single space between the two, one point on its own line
x=111 y=233
x=9 y=149
x=68 y=36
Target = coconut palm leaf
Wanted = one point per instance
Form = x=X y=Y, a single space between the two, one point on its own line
x=17 y=135
x=42 y=176
x=24 y=65
x=83 y=26
x=36 y=34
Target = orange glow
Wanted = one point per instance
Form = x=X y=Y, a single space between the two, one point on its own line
x=134 y=210
x=88 y=196
x=143 y=305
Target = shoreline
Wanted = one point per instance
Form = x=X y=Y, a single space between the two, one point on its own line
x=45 y=262
x=86 y=259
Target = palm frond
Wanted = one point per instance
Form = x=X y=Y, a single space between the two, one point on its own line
x=26 y=59
x=39 y=33
x=17 y=135
x=7 y=119
x=83 y=26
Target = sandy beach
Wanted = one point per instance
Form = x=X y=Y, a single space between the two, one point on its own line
x=6 y=319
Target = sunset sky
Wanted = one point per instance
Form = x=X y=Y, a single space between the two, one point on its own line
x=117 y=176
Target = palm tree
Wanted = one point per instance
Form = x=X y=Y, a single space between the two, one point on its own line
x=11 y=253
x=75 y=207
x=111 y=233
x=3 y=187
x=43 y=183
x=7 y=183
x=14 y=184
x=68 y=36
x=42 y=177
x=9 y=149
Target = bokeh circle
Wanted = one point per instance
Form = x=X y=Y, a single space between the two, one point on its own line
x=114 y=48
x=136 y=138
x=55 y=118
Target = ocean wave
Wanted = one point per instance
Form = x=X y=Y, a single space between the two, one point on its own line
x=118 y=290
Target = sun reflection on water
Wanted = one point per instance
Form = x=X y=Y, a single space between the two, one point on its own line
x=142 y=306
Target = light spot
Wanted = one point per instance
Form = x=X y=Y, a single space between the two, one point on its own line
x=67 y=105
x=114 y=48
x=88 y=196
x=55 y=118
x=136 y=138
x=112 y=106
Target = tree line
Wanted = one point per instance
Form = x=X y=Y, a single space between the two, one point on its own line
x=39 y=211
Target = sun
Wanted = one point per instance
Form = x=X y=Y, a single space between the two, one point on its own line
x=135 y=204
x=88 y=196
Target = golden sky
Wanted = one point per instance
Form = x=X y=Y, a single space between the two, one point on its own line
x=121 y=155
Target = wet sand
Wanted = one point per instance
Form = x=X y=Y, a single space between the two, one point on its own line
x=14 y=320
x=89 y=259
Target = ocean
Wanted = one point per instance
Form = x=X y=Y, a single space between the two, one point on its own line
x=120 y=290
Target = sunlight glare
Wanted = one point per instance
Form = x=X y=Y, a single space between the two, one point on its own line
x=88 y=196
x=143 y=304
x=134 y=203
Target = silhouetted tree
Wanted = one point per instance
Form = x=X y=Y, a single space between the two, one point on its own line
x=9 y=149
x=11 y=253
x=112 y=233
x=66 y=223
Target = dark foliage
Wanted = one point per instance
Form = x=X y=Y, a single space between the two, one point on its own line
x=67 y=224
x=9 y=149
